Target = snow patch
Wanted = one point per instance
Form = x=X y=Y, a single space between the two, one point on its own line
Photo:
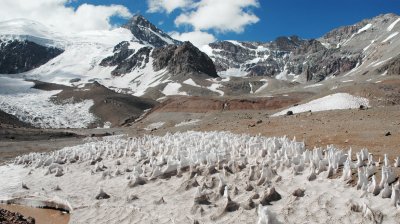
x=366 y=27
x=346 y=81
x=251 y=88
x=338 y=101
x=190 y=82
x=187 y=123
x=207 y=50
x=214 y=87
x=286 y=76
x=232 y=72
x=376 y=64
x=391 y=26
x=367 y=47
x=263 y=87
x=390 y=37
x=173 y=89
x=313 y=85
x=152 y=126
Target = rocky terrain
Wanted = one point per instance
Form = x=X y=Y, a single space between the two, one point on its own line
x=14 y=218
x=349 y=48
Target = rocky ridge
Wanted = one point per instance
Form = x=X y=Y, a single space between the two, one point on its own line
x=292 y=58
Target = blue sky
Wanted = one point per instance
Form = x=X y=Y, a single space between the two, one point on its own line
x=306 y=18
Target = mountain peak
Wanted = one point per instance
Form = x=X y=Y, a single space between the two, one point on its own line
x=146 y=32
x=139 y=20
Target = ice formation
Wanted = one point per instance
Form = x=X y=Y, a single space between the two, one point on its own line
x=235 y=172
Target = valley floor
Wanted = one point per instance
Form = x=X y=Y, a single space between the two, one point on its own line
x=376 y=128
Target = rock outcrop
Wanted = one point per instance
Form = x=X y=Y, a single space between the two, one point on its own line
x=183 y=59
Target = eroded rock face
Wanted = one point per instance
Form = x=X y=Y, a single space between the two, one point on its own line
x=307 y=58
x=183 y=59
x=20 y=56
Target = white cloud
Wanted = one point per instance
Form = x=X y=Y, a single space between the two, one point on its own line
x=167 y=5
x=197 y=38
x=57 y=14
x=220 y=15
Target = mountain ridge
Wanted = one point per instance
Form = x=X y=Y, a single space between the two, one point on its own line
x=284 y=57
x=139 y=59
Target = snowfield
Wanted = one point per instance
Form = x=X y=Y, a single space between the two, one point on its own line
x=173 y=89
x=36 y=107
x=209 y=177
x=187 y=123
x=337 y=101
x=152 y=126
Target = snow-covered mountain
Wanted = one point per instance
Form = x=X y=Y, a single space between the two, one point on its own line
x=142 y=60
x=370 y=46
x=137 y=58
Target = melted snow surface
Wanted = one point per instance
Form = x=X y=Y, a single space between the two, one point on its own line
x=338 y=101
x=217 y=166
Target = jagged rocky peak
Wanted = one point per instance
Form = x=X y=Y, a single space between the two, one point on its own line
x=147 y=33
x=183 y=59
x=377 y=25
